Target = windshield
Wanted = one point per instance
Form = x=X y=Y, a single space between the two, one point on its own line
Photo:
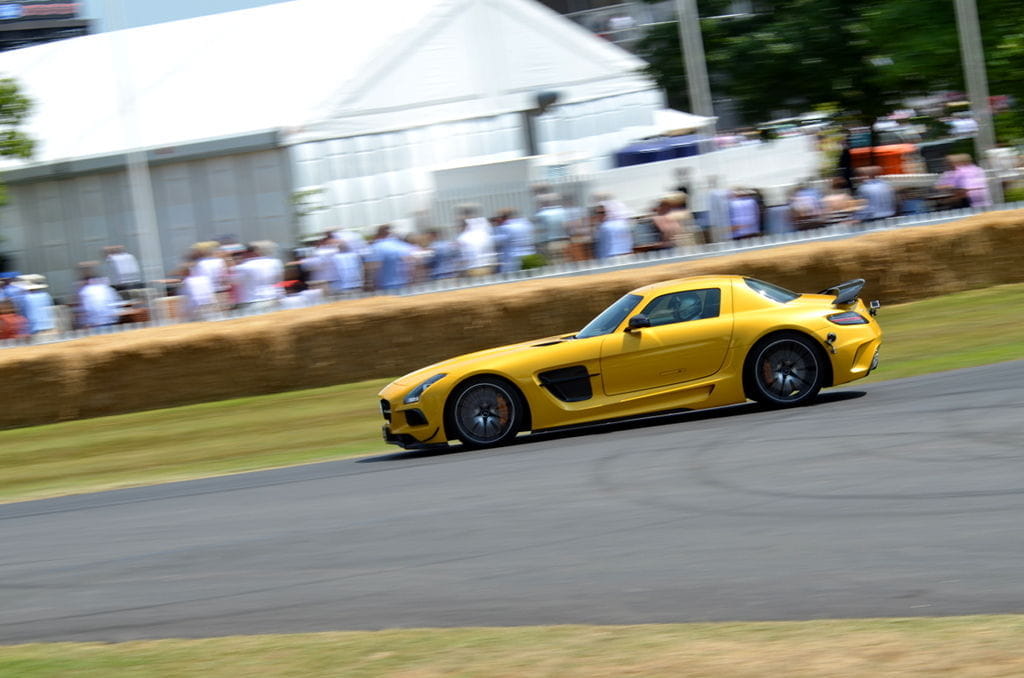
x=770 y=291
x=610 y=318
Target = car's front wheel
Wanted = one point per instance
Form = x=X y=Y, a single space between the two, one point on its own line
x=784 y=370
x=485 y=412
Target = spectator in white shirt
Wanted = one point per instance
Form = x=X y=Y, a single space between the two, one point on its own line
x=719 y=226
x=123 y=270
x=476 y=242
x=318 y=266
x=348 y=271
x=209 y=261
x=98 y=301
x=257 y=277
x=552 y=234
x=198 y=290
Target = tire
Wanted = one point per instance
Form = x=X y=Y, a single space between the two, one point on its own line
x=784 y=370
x=484 y=412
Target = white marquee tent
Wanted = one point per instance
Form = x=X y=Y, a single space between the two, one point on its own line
x=238 y=111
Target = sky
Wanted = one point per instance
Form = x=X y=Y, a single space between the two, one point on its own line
x=144 y=12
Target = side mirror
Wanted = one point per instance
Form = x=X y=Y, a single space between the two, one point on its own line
x=638 y=321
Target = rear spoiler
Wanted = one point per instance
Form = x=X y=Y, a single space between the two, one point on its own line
x=846 y=293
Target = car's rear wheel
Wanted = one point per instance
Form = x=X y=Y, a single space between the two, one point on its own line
x=484 y=412
x=784 y=370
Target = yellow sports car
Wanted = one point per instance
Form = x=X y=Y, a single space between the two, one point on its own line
x=684 y=344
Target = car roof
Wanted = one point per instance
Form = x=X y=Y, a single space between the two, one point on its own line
x=682 y=283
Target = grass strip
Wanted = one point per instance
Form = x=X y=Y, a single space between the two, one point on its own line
x=967 y=329
x=960 y=330
x=953 y=647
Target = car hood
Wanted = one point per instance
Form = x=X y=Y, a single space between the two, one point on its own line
x=467 y=360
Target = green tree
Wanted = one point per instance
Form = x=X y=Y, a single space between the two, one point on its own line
x=789 y=54
x=860 y=56
x=15 y=108
x=660 y=48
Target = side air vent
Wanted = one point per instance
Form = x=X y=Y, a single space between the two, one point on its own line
x=568 y=384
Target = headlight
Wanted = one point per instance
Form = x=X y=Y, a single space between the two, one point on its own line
x=414 y=395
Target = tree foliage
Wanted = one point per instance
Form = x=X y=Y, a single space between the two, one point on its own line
x=15 y=108
x=860 y=56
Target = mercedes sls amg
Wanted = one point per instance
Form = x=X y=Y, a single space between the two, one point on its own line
x=684 y=344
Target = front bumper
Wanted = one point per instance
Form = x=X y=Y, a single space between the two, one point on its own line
x=411 y=428
x=407 y=441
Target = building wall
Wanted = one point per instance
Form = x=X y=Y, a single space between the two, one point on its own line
x=50 y=225
x=379 y=178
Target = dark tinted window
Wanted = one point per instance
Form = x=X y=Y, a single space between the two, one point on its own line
x=680 y=307
x=770 y=291
x=610 y=318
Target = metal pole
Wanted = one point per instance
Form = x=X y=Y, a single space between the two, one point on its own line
x=529 y=132
x=972 y=56
x=140 y=183
x=694 y=61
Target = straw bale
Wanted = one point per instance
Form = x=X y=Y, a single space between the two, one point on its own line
x=387 y=336
x=41 y=384
x=147 y=370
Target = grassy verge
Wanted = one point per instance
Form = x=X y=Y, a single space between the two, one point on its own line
x=945 y=333
x=189 y=442
x=951 y=647
x=962 y=330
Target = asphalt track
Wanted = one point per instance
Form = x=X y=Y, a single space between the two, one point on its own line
x=898 y=498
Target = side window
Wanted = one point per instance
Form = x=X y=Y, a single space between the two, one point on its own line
x=681 y=307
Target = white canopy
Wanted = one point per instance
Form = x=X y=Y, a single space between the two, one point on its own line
x=670 y=120
x=312 y=69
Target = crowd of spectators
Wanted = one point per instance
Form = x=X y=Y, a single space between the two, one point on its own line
x=226 y=275
x=102 y=297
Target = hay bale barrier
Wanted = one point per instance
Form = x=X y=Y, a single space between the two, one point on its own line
x=387 y=336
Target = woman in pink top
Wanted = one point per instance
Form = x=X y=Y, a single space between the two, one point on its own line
x=970 y=179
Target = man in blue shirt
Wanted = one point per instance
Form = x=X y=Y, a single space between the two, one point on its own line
x=36 y=304
x=613 y=236
x=391 y=260
x=444 y=255
x=878 y=195
x=8 y=290
x=514 y=237
x=744 y=214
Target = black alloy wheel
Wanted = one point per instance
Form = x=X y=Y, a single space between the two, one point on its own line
x=784 y=370
x=485 y=412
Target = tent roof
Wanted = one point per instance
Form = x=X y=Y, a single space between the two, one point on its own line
x=309 y=68
x=669 y=119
